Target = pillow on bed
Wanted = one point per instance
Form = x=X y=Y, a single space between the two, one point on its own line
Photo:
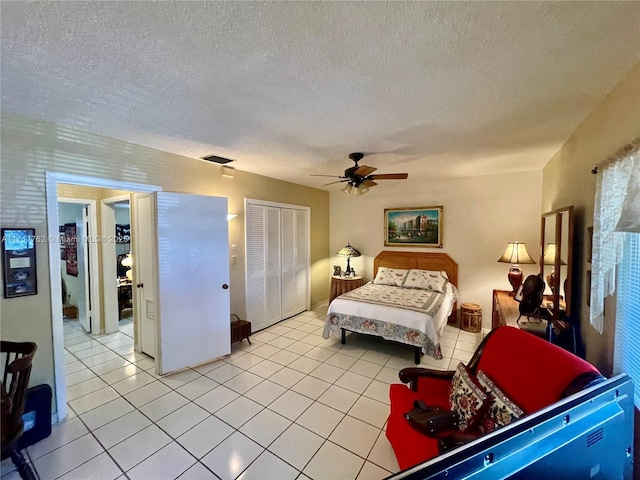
x=426 y=280
x=390 y=276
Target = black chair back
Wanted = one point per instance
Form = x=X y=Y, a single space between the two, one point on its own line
x=532 y=294
x=17 y=361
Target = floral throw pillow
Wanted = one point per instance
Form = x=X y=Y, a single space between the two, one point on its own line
x=502 y=411
x=390 y=276
x=467 y=398
x=426 y=280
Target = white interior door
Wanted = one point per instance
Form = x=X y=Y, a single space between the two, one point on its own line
x=256 y=296
x=274 y=265
x=301 y=264
x=84 y=313
x=288 y=263
x=190 y=305
x=264 y=287
x=144 y=271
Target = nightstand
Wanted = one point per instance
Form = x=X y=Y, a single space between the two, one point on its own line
x=340 y=285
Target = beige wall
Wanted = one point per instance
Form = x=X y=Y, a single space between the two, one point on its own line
x=567 y=180
x=481 y=215
x=31 y=147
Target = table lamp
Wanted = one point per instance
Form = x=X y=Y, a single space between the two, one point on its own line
x=128 y=262
x=349 y=252
x=549 y=258
x=516 y=253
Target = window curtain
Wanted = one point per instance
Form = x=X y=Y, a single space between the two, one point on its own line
x=616 y=210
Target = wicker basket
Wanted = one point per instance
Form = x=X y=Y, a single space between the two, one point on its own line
x=471 y=314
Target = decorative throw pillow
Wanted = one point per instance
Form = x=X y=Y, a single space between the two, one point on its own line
x=467 y=398
x=390 y=276
x=426 y=280
x=502 y=411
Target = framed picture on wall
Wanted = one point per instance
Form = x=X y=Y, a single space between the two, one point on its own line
x=19 y=262
x=71 y=248
x=413 y=227
x=123 y=233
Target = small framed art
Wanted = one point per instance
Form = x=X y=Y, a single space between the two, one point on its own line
x=19 y=262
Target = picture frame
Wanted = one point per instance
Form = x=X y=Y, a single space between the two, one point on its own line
x=337 y=270
x=413 y=227
x=71 y=248
x=123 y=233
x=19 y=262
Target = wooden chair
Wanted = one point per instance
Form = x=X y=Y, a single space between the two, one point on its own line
x=18 y=358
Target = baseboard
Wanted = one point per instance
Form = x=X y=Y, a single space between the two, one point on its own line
x=321 y=304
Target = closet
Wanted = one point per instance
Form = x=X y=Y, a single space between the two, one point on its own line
x=277 y=261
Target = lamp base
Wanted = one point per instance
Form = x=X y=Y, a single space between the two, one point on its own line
x=348 y=267
x=551 y=280
x=515 y=278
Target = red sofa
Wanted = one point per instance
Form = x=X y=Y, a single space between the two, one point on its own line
x=530 y=371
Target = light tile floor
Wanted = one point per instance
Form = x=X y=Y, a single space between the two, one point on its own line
x=290 y=406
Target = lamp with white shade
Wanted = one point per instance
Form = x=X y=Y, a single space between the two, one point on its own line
x=549 y=258
x=516 y=254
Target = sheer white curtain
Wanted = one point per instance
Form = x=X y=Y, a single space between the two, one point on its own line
x=616 y=210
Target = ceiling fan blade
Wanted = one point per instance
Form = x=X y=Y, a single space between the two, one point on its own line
x=320 y=175
x=339 y=181
x=365 y=170
x=390 y=176
x=369 y=183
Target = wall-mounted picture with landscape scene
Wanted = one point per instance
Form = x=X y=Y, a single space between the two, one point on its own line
x=413 y=227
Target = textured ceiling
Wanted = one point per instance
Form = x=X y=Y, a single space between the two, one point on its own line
x=290 y=88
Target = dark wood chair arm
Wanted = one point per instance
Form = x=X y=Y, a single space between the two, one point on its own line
x=412 y=374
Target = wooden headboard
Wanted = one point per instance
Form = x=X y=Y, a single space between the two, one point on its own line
x=423 y=261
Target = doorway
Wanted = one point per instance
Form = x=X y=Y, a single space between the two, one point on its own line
x=79 y=266
x=117 y=275
x=52 y=181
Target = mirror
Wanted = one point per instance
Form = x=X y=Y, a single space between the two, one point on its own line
x=556 y=255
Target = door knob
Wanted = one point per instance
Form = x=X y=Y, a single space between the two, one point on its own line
x=225 y=286
x=140 y=285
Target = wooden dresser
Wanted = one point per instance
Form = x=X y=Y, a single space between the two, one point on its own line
x=505 y=309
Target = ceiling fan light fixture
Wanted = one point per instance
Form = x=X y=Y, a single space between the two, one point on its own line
x=360 y=178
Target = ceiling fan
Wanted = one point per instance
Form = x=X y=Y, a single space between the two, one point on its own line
x=360 y=178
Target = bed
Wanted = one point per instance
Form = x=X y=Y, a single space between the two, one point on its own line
x=413 y=316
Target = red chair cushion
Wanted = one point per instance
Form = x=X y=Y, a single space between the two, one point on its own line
x=532 y=372
x=410 y=446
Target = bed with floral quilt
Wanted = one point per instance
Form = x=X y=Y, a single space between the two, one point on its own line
x=406 y=305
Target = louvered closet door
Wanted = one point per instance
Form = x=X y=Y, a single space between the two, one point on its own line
x=274 y=269
x=263 y=266
x=294 y=262
x=301 y=262
x=288 y=263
